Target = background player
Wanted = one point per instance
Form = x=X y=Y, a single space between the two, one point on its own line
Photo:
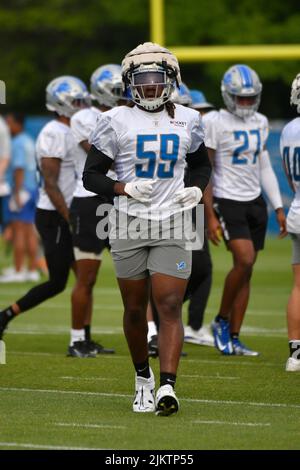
x=106 y=89
x=55 y=153
x=290 y=152
x=236 y=138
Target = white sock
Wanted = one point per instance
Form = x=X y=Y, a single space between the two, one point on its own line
x=76 y=335
x=152 y=330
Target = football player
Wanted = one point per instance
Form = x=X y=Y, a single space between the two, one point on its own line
x=236 y=139
x=150 y=144
x=106 y=89
x=199 y=284
x=55 y=149
x=290 y=152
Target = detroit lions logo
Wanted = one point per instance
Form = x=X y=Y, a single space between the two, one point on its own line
x=181 y=265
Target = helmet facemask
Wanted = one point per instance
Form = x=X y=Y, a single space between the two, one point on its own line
x=243 y=111
x=150 y=85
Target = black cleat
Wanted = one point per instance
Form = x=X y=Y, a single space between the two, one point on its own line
x=97 y=348
x=80 y=349
x=3 y=323
x=153 y=348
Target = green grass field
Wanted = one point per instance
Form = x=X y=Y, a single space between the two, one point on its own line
x=50 y=401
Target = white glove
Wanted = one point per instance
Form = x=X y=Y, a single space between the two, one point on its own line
x=188 y=197
x=140 y=190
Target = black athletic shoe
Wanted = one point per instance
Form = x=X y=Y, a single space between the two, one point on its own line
x=153 y=348
x=3 y=323
x=80 y=349
x=97 y=348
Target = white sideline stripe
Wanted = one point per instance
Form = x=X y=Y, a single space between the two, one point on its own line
x=27 y=445
x=61 y=330
x=96 y=426
x=210 y=377
x=86 y=378
x=228 y=423
x=122 y=395
x=29 y=353
x=231 y=361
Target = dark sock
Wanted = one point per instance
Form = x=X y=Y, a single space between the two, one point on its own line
x=143 y=369
x=295 y=348
x=8 y=315
x=167 y=379
x=87 y=332
x=220 y=317
x=234 y=335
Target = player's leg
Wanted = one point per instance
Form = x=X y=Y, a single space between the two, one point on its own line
x=135 y=296
x=170 y=268
x=56 y=239
x=19 y=244
x=293 y=317
x=88 y=253
x=197 y=293
x=257 y=218
x=133 y=279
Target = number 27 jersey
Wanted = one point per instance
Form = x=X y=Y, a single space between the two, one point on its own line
x=147 y=146
x=238 y=144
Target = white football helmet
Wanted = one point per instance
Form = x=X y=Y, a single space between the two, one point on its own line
x=182 y=95
x=65 y=95
x=107 y=85
x=151 y=72
x=295 y=93
x=241 y=81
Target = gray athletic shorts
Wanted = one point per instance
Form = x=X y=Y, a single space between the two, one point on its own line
x=296 y=248
x=146 y=255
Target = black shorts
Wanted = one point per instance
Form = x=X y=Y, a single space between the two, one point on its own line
x=84 y=224
x=243 y=219
x=55 y=234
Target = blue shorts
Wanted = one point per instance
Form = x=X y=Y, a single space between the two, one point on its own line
x=26 y=214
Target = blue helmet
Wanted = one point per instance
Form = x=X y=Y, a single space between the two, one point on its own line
x=107 y=86
x=182 y=95
x=241 y=81
x=199 y=100
x=67 y=94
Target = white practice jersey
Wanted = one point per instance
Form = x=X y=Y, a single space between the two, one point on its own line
x=238 y=144
x=4 y=139
x=147 y=146
x=56 y=141
x=290 y=152
x=83 y=123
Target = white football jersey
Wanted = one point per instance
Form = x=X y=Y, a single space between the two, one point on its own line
x=290 y=152
x=238 y=144
x=83 y=123
x=4 y=139
x=56 y=141
x=147 y=145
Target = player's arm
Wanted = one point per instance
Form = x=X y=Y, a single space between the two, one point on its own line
x=18 y=184
x=4 y=161
x=199 y=167
x=95 y=179
x=94 y=175
x=50 y=168
x=212 y=222
x=85 y=145
x=271 y=188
